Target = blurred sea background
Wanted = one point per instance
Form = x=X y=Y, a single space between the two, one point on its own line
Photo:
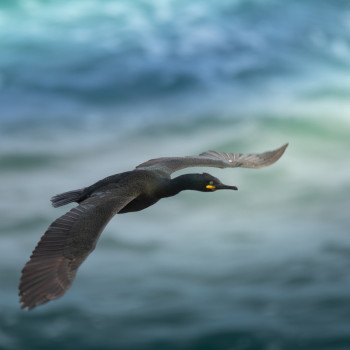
x=90 y=88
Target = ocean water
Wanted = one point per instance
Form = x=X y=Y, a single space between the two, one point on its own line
x=92 y=88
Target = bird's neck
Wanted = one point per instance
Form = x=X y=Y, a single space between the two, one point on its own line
x=178 y=184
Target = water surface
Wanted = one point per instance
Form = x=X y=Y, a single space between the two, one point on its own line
x=93 y=88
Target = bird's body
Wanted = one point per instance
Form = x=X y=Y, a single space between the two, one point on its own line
x=147 y=186
x=73 y=236
x=150 y=185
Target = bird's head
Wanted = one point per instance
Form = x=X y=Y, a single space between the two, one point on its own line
x=208 y=183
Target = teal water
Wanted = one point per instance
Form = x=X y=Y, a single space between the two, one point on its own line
x=93 y=88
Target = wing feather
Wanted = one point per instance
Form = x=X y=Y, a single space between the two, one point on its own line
x=62 y=249
x=214 y=159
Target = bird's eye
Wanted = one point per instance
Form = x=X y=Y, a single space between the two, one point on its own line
x=211 y=182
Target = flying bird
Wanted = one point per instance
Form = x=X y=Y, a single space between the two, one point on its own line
x=72 y=237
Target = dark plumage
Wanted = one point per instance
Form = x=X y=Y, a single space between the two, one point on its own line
x=73 y=236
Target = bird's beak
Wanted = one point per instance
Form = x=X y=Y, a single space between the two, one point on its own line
x=221 y=187
x=226 y=187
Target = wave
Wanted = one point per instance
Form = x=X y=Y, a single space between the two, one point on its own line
x=92 y=88
x=66 y=59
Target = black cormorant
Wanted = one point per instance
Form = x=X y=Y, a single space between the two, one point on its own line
x=73 y=236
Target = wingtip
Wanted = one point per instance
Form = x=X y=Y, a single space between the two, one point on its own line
x=280 y=149
x=25 y=307
x=271 y=157
x=283 y=148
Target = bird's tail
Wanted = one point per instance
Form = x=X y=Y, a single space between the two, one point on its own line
x=67 y=197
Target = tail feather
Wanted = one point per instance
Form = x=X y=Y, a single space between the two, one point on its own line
x=66 y=197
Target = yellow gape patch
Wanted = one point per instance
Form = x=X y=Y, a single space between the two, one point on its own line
x=210 y=187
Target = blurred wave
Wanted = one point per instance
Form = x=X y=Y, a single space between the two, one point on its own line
x=92 y=88
x=76 y=58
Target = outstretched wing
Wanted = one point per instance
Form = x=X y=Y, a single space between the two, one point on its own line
x=214 y=159
x=64 y=246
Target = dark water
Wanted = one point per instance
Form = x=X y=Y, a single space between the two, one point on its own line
x=92 y=88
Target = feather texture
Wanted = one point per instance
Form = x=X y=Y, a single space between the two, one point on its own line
x=62 y=249
x=215 y=159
